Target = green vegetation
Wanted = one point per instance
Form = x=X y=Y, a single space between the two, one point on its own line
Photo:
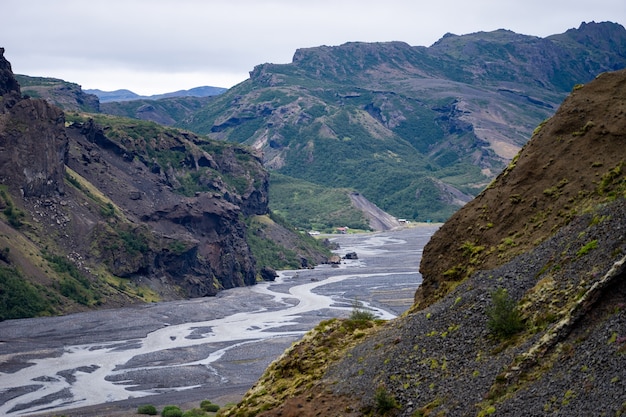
x=313 y=207
x=385 y=402
x=359 y=313
x=206 y=407
x=587 y=247
x=147 y=409
x=73 y=284
x=19 y=298
x=171 y=411
x=504 y=317
x=271 y=251
x=13 y=215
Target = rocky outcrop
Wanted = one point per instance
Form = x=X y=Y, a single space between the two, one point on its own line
x=197 y=242
x=66 y=95
x=33 y=141
x=561 y=168
x=8 y=83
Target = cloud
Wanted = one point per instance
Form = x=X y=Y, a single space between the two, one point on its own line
x=152 y=46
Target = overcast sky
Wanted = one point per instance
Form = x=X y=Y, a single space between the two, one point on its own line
x=158 y=46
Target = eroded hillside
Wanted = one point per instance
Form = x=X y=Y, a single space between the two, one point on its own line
x=522 y=310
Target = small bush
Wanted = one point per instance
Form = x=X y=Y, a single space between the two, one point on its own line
x=148 y=409
x=504 y=318
x=589 y=246
x=360 y=314
x=385 y=402
x=171 y=411
x=207 y=405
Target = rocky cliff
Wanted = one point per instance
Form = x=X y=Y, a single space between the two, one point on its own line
x=522 y=307
x=104 y=211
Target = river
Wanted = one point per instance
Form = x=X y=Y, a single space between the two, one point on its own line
x=210 y=348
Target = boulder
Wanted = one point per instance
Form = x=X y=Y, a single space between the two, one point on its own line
x=268 y=274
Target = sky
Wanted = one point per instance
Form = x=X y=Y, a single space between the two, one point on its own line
x=158 y=46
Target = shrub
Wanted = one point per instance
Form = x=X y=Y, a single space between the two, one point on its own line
x=207 y=405
x=147 y=409
x=385 y=402
x=171 y=411
x=360 y=314
x=504 y=318
x=589 y=246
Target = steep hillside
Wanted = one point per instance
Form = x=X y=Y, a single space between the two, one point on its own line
x=104 y=211
x=418 y=131
x=522 y=310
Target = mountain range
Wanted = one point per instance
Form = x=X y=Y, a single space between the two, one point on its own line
x=127 y=95
x=418 y=131
x=522 y=308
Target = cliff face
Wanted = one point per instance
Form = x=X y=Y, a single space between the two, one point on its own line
x=32 y=139
x=522 y=307
x=108 y=211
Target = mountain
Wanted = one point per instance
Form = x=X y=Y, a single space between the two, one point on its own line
x=127 y=95
x=418 y=130
x=522 y=307
x=102 y=211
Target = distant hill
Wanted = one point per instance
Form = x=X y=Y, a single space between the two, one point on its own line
x=127 y=95
x=416 y=130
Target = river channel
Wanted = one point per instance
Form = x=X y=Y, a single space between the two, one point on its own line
x=213 y=348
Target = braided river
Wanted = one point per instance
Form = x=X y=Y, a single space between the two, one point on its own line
x=182 y=352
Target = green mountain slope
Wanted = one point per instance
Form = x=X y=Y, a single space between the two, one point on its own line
x=416 y=130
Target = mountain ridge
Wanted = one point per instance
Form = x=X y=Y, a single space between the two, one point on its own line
x=431 y=121
x=455 y=112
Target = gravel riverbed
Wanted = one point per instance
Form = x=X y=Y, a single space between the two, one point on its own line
x=110 y=361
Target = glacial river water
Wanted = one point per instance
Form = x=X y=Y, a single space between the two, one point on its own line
x=185 y=351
